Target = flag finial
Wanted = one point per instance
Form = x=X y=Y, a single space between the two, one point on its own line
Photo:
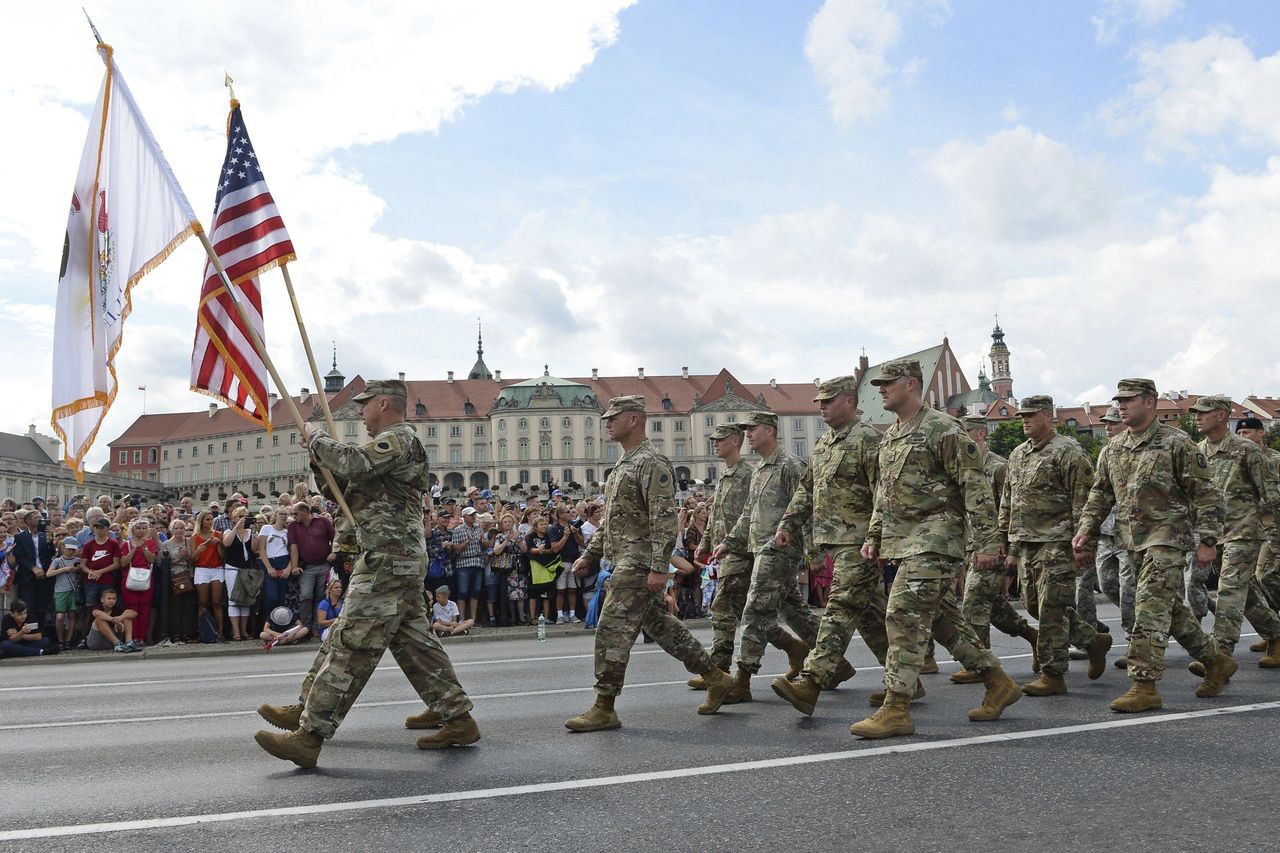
x=91 y=26
x=227 y=81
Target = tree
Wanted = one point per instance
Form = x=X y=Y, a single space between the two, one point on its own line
x=1005 y=437
x=1091 y=444
x=1273 y=436
x=1187 y=423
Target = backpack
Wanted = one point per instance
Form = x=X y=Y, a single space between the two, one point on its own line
x=208 y=627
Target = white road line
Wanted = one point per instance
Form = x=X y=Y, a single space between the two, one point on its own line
x=624 y=779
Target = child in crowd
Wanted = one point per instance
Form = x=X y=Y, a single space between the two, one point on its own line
x=710 y=577
x=112 y=625
x=65 y=569
x=20 y=638
x=328 y=611
x=517 y=592
x=282 y=629
x=445 y=616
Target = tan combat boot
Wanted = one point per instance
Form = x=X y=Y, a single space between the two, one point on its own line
x=930 y=666
x=1032 y=636
x=796 y=651
x=1196 y=668
x=428 y=719
x=460 y=731
x=1098 y=649
x=1260 y=646
x=966 y=676
x=1046 y=685
x=697 y=682
x=1002 y=691
x=300 y=747
x=739 y=689
x=802 y=693
x=284 y=717
x=597 y=718
x=1142 y=696
x=719 y=686
x=892 y=720
x=1271 y=660
x=1217 y=674
x=843 y=673
x=875 y=700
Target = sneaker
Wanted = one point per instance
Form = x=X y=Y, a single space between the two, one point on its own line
x=493 y=622
x=121 y=647
x=573 y=618
x=133 y=646
x=84 y=644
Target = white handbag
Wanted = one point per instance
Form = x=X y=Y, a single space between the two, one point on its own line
x=138 y=580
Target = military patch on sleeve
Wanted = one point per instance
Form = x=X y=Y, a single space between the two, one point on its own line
x=1201 y=460
x=383 y=445
x=663 y=479
x=971 y=449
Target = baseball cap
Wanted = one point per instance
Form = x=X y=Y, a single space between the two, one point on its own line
x=469 y=511
x=382 y=387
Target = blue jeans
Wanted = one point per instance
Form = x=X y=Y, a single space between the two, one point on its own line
x=274 y=590
x=468 y=581
x=25 y=650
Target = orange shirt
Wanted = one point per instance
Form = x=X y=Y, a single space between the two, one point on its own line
x=210 y=557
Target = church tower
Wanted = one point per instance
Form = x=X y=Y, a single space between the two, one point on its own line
x=334 y=380
x=479 y=370
x=1001 y=377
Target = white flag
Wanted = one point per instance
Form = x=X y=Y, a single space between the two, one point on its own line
x=127 y=214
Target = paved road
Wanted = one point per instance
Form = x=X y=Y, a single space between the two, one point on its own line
x=136 y=743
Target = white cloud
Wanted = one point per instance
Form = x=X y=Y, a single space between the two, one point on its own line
x=1190 y=92
x=1115 y=15
x=848 y=43
x=1022 y=185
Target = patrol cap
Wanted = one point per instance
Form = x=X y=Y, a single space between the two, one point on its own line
x=1249 y=423
x=768 y=419
x=383 y=387
x=1127 y=388
x=974 y=422
x=1212 y=403
x=1036 y=403
x=629 y=403
x=1112 y=416
x=725 y=431
x=71 y=542
x=898 y=368
x=836 y=386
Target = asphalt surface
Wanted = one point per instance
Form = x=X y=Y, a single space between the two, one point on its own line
x=142 y=742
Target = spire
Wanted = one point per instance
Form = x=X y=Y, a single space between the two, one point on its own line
x=334 y=380
x=479 y=370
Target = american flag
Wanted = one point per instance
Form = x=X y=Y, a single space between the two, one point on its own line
x=250 y=239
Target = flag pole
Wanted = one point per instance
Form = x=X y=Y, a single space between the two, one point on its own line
x=306 y=346
x=258 y=345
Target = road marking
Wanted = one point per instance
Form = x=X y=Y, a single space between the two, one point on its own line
x=624 y=779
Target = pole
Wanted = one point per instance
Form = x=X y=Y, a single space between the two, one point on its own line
x=256 y=340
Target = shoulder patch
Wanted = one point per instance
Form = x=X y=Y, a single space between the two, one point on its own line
x=971 y=449
x=1201 y=460
x=383 y=445
x=663 y=478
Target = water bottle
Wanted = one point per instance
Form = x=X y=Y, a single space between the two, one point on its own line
x=542 y=628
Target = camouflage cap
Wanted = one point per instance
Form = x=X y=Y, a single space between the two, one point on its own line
x=1127 y=388
x=1034 y=403
x=382 y=387
x=835 y=386
x=974 y=421
x=618 y=405
x=1112 y=416
x=768 y=419
x=898 y=368
x=725 y=431
x=1212 y=403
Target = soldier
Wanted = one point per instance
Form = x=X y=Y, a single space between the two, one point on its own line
x=835 y=497
x=1045 y=490
x=384 y=482
x=775 y=580
x=1160 y=482
x=1112 y=569
x=1242 y=476
x=983 y=605
x=1268 y=571
x=637 y=535
x=931 y=496
x=733 y=574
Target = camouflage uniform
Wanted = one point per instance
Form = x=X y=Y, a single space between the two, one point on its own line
x=933 y=505
x=835 y=494
x=1242 y=477
x=983 y=605
x=775 y=581
x=1114 y=572
x=384 y=481
x=1160 y=483
x=638 y=535
x=1045 y=490
x=733 y=576
x=1269 y=559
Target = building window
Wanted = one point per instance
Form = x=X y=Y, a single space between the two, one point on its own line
x=524 y=423
x=524 y=476
x=257 y=466
x=420 y=409
x=177 y=475
x=680 y=449
x=800 y=448
x=224 y=447
x=544 y=449
x=431 y=432
x=1004 y=413
x=797 y=424
x=137 y=475
x=223 y=470
x=151 y=455
x=239 y=467
x=208 y=471
x=709 y=420
x=502 y=425
x=611 y=452
x=124 y=457
x=589 y=475
x=166 y=456
x=468 y=408
x=657 y=426
x=589 y=424
x=257 y=443
x=275 y=439
x=349 y=429
x=544 y=423
x=275 y=464
x=209 y=450
x=455 y=431
x=195 y=451
x=479 y=454
x=591 y=448
x=544 y=476
x=179 y=452
x=239 y=445
x=137 y=457
x=455 y=455
x=293 y=438
x=666 y=404
x=566 y=423
x=566 y=449
x=433 y=454
x=479 y=430
x=502 y=478
x=523 y=449
x=566 y=476
x=679 y=425
x=711 y=472
x=502 y=450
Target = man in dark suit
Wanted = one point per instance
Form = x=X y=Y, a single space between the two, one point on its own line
x=33 y=551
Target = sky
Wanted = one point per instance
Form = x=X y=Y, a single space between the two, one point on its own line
x=768 y=187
